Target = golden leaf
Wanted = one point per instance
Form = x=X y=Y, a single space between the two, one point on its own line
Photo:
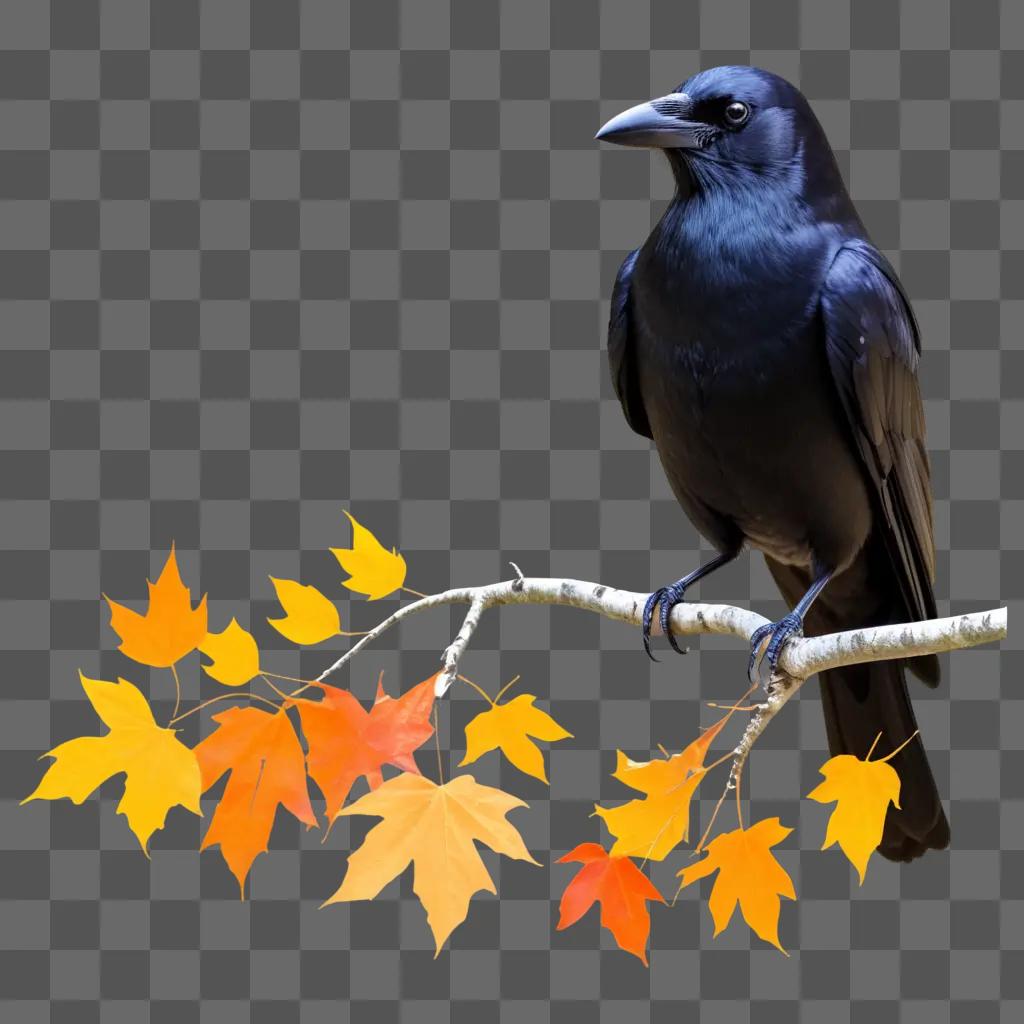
x=236 y=658
x=160 y=771
x=309 y=617
x=862 y=791
x=654 y=826
x=434 y=828
x=508 y=727
x=372 y=569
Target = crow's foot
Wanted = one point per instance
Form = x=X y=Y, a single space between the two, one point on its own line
x=667 y=597
x=763 y=664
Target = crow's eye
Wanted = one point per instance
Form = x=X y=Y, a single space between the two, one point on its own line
x=736 y=113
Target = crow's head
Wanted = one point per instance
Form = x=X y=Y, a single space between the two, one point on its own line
x=736 y=118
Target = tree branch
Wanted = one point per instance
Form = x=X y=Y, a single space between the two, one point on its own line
x=800 y=659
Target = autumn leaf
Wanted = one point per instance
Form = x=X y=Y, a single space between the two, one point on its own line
x=160 y=771
x=655 y=825
x=263 y=754
x=862 y=791
x=372 y=569
x=171 y=627
x=236 y=658
x=346 y=741
x=434 y=828
x=748 y=874
x=508 y=727
x=621 y=888
x=309 y=617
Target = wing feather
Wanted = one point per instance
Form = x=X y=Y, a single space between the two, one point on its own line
x=873 y=346
x=622 y=351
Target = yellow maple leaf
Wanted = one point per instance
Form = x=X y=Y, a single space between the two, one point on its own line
x=236 y=658
x=655 y=825
x=372 y=569
x=160 y=771
x=434 y=828
x=508 y=727
x=309 y=617
x=748 y=874
x=862 y=791
x=171 y=627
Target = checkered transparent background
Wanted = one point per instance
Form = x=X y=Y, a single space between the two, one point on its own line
x=260 y=262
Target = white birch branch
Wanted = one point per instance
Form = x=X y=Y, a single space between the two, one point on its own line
x=800 y=658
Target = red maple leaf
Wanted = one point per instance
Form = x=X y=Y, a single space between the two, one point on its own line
x=346 y=741
x=620 y=887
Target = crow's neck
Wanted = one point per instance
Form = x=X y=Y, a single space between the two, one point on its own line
x=743 y=224
x=747 y=251
x=808 y=187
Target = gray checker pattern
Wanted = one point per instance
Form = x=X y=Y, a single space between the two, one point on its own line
x=260 y=262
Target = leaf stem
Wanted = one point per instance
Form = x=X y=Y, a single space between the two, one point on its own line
x=479 y=689
x=867 y=756
x=437 y=744
x=224 y=696
x=415 y=593
x=287 y=679
x=177 y=692
x=306 y=683
x=280 y=693
x=714 y=814
x=511 y=682
x=902 y=745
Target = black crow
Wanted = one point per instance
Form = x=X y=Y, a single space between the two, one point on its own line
x=768 y=349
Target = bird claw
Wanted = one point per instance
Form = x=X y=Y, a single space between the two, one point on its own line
x=667 y=597
x=762 y=665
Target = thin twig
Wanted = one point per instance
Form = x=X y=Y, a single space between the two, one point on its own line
x=453 y=652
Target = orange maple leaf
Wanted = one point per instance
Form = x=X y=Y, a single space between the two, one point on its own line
x=748 y=874
x=622 y=889
x=171 y=627
x=263 y=754
x=346 y=741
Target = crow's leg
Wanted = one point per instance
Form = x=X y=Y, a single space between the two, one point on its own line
x=668 y=597
x=762 y=665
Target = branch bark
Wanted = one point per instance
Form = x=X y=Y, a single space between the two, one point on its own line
x=800 y=659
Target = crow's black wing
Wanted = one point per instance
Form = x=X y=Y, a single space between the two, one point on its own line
x=622 y=351
x=873 y=346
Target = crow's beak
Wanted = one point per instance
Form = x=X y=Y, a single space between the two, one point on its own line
x=663 y=123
